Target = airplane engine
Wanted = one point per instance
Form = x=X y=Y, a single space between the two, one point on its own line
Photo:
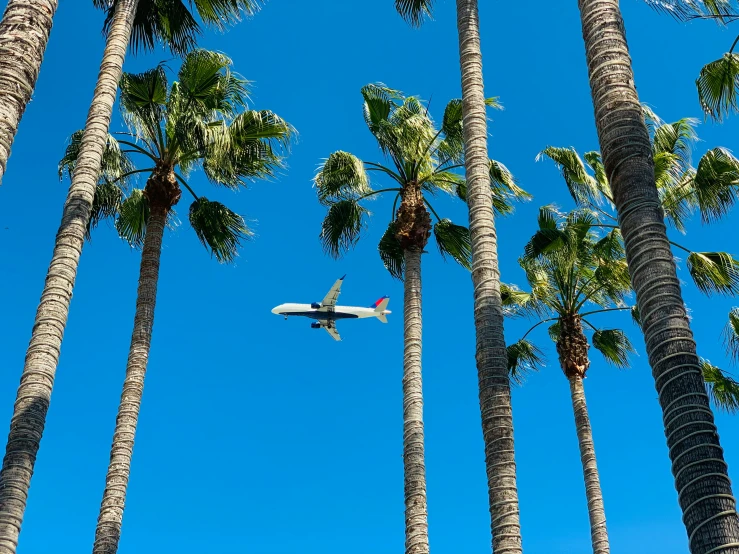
x=316 y=305
x=315 y=325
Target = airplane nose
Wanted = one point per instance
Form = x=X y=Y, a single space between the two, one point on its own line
x=276 y=310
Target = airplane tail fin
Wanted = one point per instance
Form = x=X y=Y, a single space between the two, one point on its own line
x=380 y=308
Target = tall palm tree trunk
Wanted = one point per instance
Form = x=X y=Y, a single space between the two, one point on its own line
x=596 y=511
x=698 y=466
x=24 y=33
x=495 y=392
x=416 y=514
x=42 y=356
x=108 y=532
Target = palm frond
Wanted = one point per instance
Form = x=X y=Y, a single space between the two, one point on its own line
x=555 y=330
x=206 y=83
x=342 y=227
x=505 y=189
x=594 y=160
x=379 y=101
x=714 y=272
x=414 y=11
x=250 y=148
x=454 y=240
x=524 y=357
x=723 y=390
x=143 y=98
x=548 y=237
x=685 y=10
x=676 y=138
x=651 y=119
x=614 y=345
x=731 y=335
x=171 y=22
x=219 y=229
x=391 y=253
x=636 y=315
x=342 y=176
x=716 y=184
x=717 y=84
x=133 y=216
x=106 y=203
x=610 y=247
x=582 y=187
x=518 y=303
x=115 y=165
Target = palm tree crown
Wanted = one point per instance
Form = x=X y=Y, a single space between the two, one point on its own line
x=424 y=159
x=574 y=273
x=174 y=23
x=201 y=121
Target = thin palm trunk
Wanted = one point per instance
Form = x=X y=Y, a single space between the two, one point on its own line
x=596 y=511
x=42 y=356
x=24 y=33
x=698 y=466
x=492 y=368
x=416 y=514
x=108 y=532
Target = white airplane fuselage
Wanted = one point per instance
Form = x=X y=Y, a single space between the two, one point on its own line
x=338 y=312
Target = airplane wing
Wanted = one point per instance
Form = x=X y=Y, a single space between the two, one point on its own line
x=329 y=302
x=332 y=331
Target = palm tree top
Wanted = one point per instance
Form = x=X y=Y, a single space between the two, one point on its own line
x=201 y=121
x=421 y=159
x=414 y=11
x=575 y=270
x=723 y=11
x=174 y=24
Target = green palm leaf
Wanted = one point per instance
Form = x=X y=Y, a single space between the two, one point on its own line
x=414 y=11
x=723 y=390
x=520 y=303
x=106 y=203
x=555 y=330
x=714 y=272
x=524 y=357
x=115 y=165
x=614 y=345
x=454 y=240
x=636 y=315
x=391 y=253
x=342 y=176
x=717 y=86
x=731 y=335
x=143 y=100
x=219 y=229
x=685 y=10
x=133 y=216
x=716 y=184
x=505 y=189
x=582 y=187
x=342 y=227
x=205 y=81
x=172 y=23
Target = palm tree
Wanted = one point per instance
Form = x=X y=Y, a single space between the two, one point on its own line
x=199 y=121
x=490 y=355
x=682 y=189
x=42 y=356
x=24 y=32
x=576 y=274
x=699 y=470
x=424 y=160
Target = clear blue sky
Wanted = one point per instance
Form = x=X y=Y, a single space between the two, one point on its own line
x=260 y=436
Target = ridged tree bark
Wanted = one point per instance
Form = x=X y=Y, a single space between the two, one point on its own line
x=492 y=368
x=42 y=356
x=698 y=466
x=593 y=492
x=108 y=532
x=24 y=33
x=416 y=512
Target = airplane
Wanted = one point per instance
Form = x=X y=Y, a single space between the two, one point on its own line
x=327 y=312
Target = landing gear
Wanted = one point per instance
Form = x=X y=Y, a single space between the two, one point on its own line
x=285 y=317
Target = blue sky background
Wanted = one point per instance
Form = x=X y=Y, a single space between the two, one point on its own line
x=260 y=436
